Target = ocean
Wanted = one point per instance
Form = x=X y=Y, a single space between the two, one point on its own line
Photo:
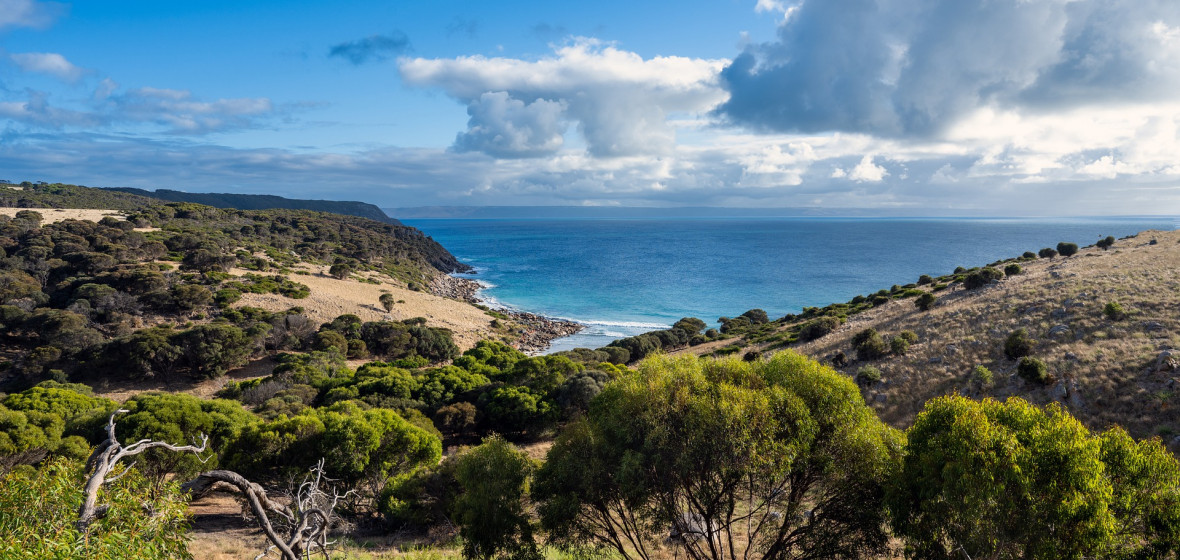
x=622 y=277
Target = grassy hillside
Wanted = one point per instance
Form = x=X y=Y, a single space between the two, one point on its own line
x=1116 y=367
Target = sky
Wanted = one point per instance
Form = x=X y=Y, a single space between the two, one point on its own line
x=1003 y=107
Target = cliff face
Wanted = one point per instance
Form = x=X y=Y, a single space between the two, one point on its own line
x=266 y=202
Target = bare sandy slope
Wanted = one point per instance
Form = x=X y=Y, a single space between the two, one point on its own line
x=1104 y=370
x=53 y=215
x=331 y=298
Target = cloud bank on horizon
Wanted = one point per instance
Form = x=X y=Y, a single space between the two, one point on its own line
x=1007 y=106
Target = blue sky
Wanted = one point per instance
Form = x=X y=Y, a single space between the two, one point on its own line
x=978 y=106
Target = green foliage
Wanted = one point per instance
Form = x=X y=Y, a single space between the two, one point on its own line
x=1067 y=249
x=756 y=316
x=817 y=328
x=491 y=511
x=1145 y=499
x=1047 y=253
x=358 y=444
x=1018 y=344
x=1033 y=370
x=899 y=346
x=981 y=278
x=1003 y=480
x=1012 y=270
x=651 y=449
x=981 y=376
x=1106 y=242
x=925 y=302
x=925 y=279
x=869 y=345
x=387 y=301
x=868 y=375
x=38 y=510
x=179 y=419
x=515 y=410
x=1114 y=311
x=1009 y=480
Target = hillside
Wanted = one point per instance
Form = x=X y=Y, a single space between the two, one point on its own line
x=265 y=202
x=1117 y=369
x=98 y=284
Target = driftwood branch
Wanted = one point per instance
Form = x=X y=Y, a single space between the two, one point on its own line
x=296 y=530
x=103 y=460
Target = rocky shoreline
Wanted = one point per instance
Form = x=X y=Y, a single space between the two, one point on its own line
x=539 y=330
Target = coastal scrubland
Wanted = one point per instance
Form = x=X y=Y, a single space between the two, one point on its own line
x=186 y=381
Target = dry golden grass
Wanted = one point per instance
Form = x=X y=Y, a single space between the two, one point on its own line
x=1103 y=369
x=331 y=298
x=54 y=215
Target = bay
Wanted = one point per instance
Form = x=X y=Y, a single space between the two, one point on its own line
x=622 y=277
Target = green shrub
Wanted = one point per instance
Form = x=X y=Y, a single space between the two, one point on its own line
x=490 y=510
x=1067 y=249
x=1018 y=344
x=869 y=345
x=868 y=375
x=925 y=279
x=1105 y=243
x=1012 y=270
x=909 y=336
x=38 y=510
x=898 y=346
x=1114 y=311
x=817 y=328
x=981 y=376
x=926 y=301
x=1033 y=370
x=981 y=278
x=1046 y=253
x=1028 y=255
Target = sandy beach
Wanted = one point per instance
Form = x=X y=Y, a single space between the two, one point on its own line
x=54 y=215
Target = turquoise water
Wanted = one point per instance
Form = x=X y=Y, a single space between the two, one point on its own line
x=622 y=277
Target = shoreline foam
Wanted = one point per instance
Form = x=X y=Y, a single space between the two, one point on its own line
x=540 y=331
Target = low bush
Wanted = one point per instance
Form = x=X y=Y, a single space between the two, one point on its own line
x=1114 y=311
x=869 y=345
x=868 y=375
x=1067 y=249
x=981 y=376
x=817 y=328
x=1033 y=370
x=1012 y=270
x=1018 y=344
x=926 y=301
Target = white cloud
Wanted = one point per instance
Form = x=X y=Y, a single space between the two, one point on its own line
x=52 y=64
x=506 y=127
x=620 y=101
x=867 y=172
x=28 y=13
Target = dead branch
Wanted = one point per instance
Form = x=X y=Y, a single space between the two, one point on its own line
x=305 y=524
x=103 y=460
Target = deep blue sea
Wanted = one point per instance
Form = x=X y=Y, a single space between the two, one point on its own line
x=622 y=277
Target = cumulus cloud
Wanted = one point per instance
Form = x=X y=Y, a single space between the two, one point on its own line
x=29 y=13
x=914 y=67
x=506 y=127
x=52 y=64
x=372 y=49
x=620 y=101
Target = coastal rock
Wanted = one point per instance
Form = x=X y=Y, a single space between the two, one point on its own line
x=1152 y=326
x=1058 y=330
x=1167 y=360
x=537 y=330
